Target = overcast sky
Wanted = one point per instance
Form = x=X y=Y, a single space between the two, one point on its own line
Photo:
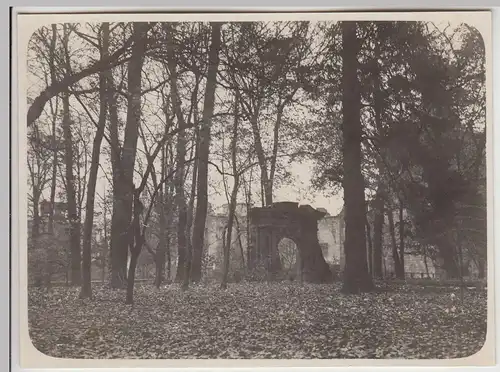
x=299 y=190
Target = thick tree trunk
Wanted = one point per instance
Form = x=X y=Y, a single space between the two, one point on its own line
x=169 y=258
x=160 y=251
x=233 y=198
x=136 y=241
x=86 y=291
x=35 y=235
x=380 y=196
x=356 y=276
x=240 y=244
x=370 y=246
x=118 y=257
x=131 y=278
x=53 y=181
x=426 y=264
x=204 y=151
x=35 y=225
x=251 y=250
x=189 y=222
x=169 y=225
x=180 y=200
x=118 y=252
x=105 y=247
x=230 y=224
x=74 y=225
x=449 y=257
x=401 y=240
x=398 y=269
x=378 y=226
x=125 y=188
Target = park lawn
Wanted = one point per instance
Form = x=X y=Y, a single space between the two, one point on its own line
x=259 y=320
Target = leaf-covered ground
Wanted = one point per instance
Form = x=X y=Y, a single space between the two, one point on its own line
x=285 y=321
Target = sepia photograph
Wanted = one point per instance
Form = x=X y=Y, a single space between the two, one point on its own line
x=282 y=188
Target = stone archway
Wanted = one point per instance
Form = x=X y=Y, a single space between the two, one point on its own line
x=299 y=223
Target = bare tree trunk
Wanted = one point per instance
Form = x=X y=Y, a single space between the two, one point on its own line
x=425 y=263
x=74 y=226
x=123 y=209
x=86 y=291
x=266 y=187
x=251 y=253
x=192 y=197
x=234 y=195
x=379 y=204
x=35 y=234
x=180 y=200
x=169 y=258
x=378 y=226
x=401 y=240
x=228 y=237
x=395 y=255
x=240 y=244
x=136 y=241
x=356 y=276
x=204 y=151
x=118 y=257
x=370 y=247
x=160 y=252
x=189 y=223
x=53 y=182
x=170 y=218
x=105 y=247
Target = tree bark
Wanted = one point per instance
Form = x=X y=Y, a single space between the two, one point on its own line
x=118 y=257
x=105 y=247
x=86 y=291
x=228 y=237
x=204 y=151
x=370 y=246
x=356 y=276
x=180 y=200
x=380 y=195
x=74 y=225
x=398 y=270
x=189 y=222
x=35 y=225
x=401 y=240
x=123 y=211
x=53 y=183
x=233 y=198
x=425 y=263
x=136 y=241
x=378 y=226
x=160 y=252
x=266 y=187
x=449 y=256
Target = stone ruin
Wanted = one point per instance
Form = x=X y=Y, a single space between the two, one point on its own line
x=288 y=220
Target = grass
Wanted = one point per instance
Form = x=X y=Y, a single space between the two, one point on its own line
x=259 y=320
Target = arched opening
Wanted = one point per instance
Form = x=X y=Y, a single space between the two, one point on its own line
x=271 y=225
x=290 y=259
